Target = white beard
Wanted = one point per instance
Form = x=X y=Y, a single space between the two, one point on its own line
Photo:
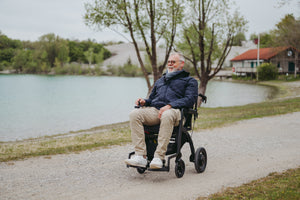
x=174 y=70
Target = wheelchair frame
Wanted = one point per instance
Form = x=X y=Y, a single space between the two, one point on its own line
x=198 y=157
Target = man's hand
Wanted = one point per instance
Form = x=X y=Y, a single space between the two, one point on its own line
x=163 y=109
x=140 y=102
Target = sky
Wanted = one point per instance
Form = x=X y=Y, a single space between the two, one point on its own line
x=30 y=19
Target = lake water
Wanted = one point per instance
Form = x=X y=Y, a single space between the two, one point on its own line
x=36 y=105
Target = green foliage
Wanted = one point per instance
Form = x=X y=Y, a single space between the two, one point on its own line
x=20 y=60
x=112 y=70
x=89 y=55
x=287 y=32
x=97 y=70
x=129 y=69
x=51 y=51
x=45 y=68
x=189 y=68
x=7 y=54
x=238 y=39
x=55 y=47
x=78 y=49
x=8 y=48
x=76 y=69
x=6 y=43
x=267 y=71
x=75 y=52
x=265 y=39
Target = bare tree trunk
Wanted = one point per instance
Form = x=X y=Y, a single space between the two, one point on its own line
x=296 y=62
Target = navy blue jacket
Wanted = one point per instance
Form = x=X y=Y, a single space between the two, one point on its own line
x=179 y=91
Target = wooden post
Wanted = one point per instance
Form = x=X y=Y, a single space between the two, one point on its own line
x=257 y=58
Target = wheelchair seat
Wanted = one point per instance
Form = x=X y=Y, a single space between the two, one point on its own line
x=154 y=130
x=186 y=121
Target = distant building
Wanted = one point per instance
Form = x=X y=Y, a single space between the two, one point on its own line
x=235 y=51
x=287 y=59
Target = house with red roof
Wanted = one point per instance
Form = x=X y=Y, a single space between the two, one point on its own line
x=287 y=60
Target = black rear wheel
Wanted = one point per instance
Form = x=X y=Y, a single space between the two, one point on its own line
x=200 y=160
x=179 y=168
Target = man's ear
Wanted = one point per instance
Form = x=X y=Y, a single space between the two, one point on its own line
x=181 y=65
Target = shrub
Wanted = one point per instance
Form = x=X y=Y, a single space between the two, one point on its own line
x=129 y=69
x=112 y=70
x=267 y=71
x=4 y=65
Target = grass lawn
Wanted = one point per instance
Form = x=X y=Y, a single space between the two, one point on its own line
x=281 y=186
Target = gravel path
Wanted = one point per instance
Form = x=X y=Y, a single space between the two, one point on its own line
x=237 y=154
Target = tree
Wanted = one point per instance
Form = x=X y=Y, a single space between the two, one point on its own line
x=8 y=49
x=20 y=60
x=62 y=51
x=287 y=32
x=55 y=47
x=75 y=52
x=265 y=39
x=208 y=36
x=148 y=21
x=238 y=39
x=89 y=55
x=77 y=49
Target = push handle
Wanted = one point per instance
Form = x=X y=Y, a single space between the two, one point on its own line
x=203 y=98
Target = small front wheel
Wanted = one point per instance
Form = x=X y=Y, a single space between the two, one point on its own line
x=140 y=170
x=179 y=168
x=200 y=160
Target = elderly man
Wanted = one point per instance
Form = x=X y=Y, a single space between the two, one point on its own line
x=174 y=90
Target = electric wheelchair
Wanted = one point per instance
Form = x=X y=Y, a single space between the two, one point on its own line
x=180 y=136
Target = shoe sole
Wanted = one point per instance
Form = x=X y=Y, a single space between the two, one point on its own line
x=134 y=164
x=155 y=167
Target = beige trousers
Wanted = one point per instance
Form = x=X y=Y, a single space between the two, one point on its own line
x=149 y=116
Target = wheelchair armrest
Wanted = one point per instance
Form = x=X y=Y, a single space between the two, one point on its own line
x=188 y=114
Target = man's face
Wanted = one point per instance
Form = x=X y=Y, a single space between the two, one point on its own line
x=174 y=64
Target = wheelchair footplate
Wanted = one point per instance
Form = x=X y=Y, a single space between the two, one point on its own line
x=165 y=167
x=199 y=158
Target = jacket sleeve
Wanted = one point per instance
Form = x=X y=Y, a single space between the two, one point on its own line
x=152 y=95
x=190 y=97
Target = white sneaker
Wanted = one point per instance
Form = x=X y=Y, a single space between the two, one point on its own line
x=156 y=163
x=138 y=161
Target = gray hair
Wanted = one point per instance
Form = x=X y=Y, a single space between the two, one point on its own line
x=181 y=57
